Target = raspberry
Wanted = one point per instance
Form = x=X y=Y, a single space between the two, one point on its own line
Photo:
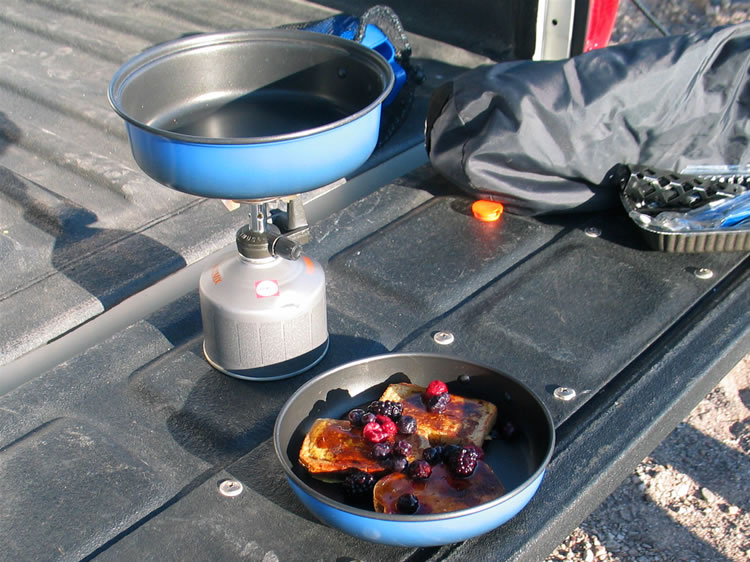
x=355 y=417
x=433 y=455
x=386 y=408
x=419 y=470
x=381 y=450
x=407 y=503
x=435 y=388
x=463 y=462
x=438 y=403
x=387 y=424
x=407 y=425
x=402 y=448
x=373 y=432
x=358 y=484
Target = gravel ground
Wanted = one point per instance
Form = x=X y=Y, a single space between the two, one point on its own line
x=689 y=499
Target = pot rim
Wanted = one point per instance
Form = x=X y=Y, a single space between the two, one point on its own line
x=153 y=55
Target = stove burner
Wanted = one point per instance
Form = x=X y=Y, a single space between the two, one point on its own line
x=264 y=309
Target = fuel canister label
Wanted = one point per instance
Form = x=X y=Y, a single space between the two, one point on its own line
x=266 y=288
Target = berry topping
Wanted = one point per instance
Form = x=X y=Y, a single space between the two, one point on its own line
x=407 y=503
x=398 y=464
x=406 y=425
x=402 y=448
x=373 y=432
x=419 y=470
x=435 y=388
x=358 y=484
x=386 y=408
x=355 y=417
x=479 y=450
x=508 y=430
x=463 y=461
x=387 y=424
x=437 y=403
x=381 y=450
x=367 y=417
x=433 y=455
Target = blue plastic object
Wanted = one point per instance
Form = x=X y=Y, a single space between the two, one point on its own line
x=346 y=26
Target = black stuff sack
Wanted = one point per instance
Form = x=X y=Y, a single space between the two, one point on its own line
x=540 y=136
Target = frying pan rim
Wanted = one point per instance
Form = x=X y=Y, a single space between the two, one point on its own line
x=287 y=464
x=154 y=54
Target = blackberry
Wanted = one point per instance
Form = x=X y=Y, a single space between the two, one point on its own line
x=433 y=455
x=419 y=470
x=398 y=464
x=438 y=403
x=386 y=408
x=407 y=503
x=449 y=451
x=402 y=448
x=463 y=462
x=358 y=484
x=407 y=425
x=355 y=417
x=381 y=450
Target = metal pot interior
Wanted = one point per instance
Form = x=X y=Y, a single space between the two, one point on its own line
x=253 y=86
x=517 y=461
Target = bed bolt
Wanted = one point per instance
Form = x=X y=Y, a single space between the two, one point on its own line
x=593 y=232
x=230 y=488
x=703 y=273
x=564 y=393
x=443 y=338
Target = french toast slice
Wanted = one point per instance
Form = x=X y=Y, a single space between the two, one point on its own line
x=332 y=448
x=441 y=492
x=464 y=421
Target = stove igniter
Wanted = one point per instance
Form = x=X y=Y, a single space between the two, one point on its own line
x=264 y=309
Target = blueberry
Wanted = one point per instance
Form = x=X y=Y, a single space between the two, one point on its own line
x=407 y=425
x=355 y=417
x=407 y=503
x=433 y=455
x=508 y=430
x=368 y=417
x=381 y=450
x=419 y=470
x=402 y=448
x=398 y=464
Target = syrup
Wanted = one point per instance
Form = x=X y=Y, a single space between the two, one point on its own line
x=441 y=492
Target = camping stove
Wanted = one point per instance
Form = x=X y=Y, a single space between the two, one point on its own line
x=264 y=309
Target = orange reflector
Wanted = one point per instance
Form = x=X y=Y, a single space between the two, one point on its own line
x=487 y=211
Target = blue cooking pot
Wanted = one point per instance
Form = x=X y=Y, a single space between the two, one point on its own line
x=252 y=114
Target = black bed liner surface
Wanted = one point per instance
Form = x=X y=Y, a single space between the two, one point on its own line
x=116 y=453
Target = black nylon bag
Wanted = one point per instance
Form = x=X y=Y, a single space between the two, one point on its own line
x=540 y=136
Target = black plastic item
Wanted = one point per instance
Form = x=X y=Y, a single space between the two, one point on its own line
x=540 y=136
